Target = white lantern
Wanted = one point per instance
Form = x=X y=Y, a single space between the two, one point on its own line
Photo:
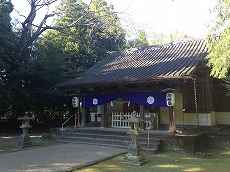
x=75 y=102
x=170 y=99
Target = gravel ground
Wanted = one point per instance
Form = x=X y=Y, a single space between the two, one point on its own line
x=56 y=158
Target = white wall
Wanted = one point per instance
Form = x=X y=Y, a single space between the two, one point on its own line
x=222 y=117
x=164 y=115
x=205 y=119
x=178 y=109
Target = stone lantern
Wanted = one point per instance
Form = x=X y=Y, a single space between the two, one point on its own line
x=134 y=155
x=24 y=140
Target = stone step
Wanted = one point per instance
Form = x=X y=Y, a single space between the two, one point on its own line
x=118 y=141
x=106 y=138
x=110 y=131
x=94 y=130
x=146 y=149
x=113 y=143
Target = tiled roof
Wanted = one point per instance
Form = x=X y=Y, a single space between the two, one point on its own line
x=148 y=63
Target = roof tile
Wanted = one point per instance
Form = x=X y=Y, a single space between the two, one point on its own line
x=144 y=64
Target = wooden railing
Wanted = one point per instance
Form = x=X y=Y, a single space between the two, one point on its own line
x=119 y=119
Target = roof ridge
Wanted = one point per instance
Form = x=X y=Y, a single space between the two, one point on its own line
x=153 y=47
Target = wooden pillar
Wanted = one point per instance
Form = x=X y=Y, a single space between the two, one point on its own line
x=172 y=125
x=142 y=124
x=78 y=113
x=103 y=107
x=83 y=117
x=75 y=117
x=95 y=120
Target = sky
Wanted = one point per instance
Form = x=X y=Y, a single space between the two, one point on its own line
x=188 y=16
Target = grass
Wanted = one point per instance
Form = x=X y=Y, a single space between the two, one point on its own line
x=8 y=144
x=162 y=162
x=168 y=162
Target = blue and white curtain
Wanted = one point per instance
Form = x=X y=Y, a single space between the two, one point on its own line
x=157 y=99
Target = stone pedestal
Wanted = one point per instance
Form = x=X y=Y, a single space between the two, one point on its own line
x=134 y=155
x=24 y=140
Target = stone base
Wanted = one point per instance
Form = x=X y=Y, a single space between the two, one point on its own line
x=134 y=160
x=24 y=141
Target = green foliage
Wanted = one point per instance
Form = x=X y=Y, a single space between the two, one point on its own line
x=27 y=77
x=158 y=39
x=6 y=34
x=109 y=32
x=219 y=56
x=83 y=46
x=177 y=36
x=31 y=64
x=219 y=41
x=6 y=46
x=140 y=41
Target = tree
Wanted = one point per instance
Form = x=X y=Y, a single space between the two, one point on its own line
x=16 y=61
x=6 y=46
x=111 y=31
x=219 y=41
x=177 y=36
x=6 y=35
x=140 y=41
x=83 y=46
x=38 y=56
x=4 y=3
x=83 y=17
x=158 y=39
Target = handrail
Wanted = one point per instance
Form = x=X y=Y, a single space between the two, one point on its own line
x=62 y=126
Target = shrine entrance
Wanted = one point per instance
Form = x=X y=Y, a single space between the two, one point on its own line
x=113 y=110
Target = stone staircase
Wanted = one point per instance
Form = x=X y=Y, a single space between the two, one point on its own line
x=106 y=137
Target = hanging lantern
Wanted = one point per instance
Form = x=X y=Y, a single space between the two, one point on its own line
x=75 y=102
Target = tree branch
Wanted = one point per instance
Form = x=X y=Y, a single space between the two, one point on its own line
x=86 y=19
